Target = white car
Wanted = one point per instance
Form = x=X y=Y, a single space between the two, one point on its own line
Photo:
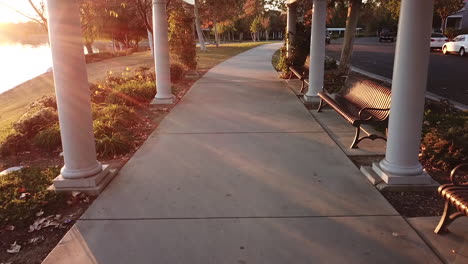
x=438 y=40
x=457 y=45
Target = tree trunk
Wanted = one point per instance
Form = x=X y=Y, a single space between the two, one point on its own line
x=241 y=36
x=89 y=48
x=198 y=27
x=442 y=25
x=267 y=38
x=350 y=32
x=150 y=42
x=216 y=34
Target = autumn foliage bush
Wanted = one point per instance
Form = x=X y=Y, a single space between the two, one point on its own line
x=445 y=137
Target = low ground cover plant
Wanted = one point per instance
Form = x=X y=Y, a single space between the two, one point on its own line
x=114 y=104
x=24 y=194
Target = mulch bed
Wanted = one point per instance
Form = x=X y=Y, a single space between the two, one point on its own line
x=36 y=245
x=47 y=238
x=408 y=203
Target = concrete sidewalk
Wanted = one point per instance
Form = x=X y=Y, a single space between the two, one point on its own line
x=240 y=172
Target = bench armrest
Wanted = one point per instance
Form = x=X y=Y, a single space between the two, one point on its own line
x=370 y=108
x=453 y=174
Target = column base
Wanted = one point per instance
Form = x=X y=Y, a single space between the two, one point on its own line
x=393 y=179
x=311 y=99
x=92 y=185
x=169 y=100
x=311 y=102
x=381 y=185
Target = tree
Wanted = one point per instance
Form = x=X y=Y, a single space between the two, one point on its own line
x=181 y=35
x=266 y=23
x=219 y=11
x=119 y=21
x=445 y=8
x=350 y=32
x=144 y=8
x=256 y=27
x=201 y=40
x=88 y=18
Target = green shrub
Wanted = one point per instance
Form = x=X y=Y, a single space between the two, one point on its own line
x=132 y=93
x=283 y=61
x=43 y=102
x=177 y=72
x=99 y=93
x=119 y=115
x=49 y=138
x=32 y=122
x=22 y=211
x=181 y=35
x=112 y=144
x=445 y=136
x=14 y=143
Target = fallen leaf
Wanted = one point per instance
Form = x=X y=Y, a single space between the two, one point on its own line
x=15 y=248
x=36 y=239
x=40 y=213
x=24 y=195
x=9 y=228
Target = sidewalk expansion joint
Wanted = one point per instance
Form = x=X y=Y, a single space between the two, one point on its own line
x=235 y=217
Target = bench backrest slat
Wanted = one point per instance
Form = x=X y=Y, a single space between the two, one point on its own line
x=366 y=93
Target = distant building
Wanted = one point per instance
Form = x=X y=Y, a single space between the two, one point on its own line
x=459 y=20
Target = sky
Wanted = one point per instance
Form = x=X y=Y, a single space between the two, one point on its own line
x=7 y=14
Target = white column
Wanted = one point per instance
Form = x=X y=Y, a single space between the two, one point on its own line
x=290 y=26
x=317 y=50
x=401 y=165
x=161 y=54
x=72 y=90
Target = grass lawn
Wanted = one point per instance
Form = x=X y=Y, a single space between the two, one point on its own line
x=14 y=101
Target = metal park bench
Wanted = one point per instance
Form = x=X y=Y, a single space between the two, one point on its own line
x=302 y=73
x=455 y=195
x=362 y=102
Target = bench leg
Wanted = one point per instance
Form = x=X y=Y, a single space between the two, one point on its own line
x=449 y=215
x=321 y=104
x=302 y=87
x=357 y=139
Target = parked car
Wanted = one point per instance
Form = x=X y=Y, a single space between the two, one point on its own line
x=458 y=45
x=438 y=40
x=386 y=34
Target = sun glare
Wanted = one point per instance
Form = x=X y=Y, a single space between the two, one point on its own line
x=8 y=13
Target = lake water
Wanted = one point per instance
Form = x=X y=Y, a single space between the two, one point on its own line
x=22 y=62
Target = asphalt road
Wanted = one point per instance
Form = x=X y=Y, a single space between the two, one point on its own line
x=448 y=74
